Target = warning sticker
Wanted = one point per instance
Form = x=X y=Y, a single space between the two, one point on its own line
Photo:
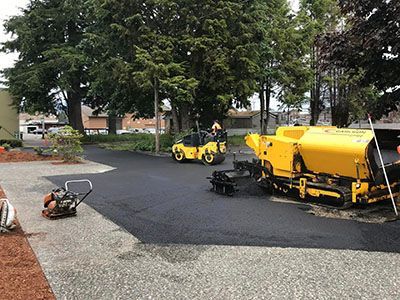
x=361 y=141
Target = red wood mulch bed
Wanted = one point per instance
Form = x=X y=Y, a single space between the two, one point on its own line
x=21 y=275
x=20 y=156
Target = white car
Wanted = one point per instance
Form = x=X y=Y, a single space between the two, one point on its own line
x=133 y=131
x=142 y=130
x=54 y=129
x=38 y=131
x=123 y=131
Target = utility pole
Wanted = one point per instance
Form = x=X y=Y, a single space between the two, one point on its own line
x=262 y=109
x=288 y=116
x=156 y=113
x=43 y=128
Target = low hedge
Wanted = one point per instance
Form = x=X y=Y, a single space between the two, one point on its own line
x=236 y=140
x=145 y=142
x=137 y=141
x=12 y=143
x=111 y=138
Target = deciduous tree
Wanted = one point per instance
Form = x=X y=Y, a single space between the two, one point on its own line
x=371 y=43
x=316 y=18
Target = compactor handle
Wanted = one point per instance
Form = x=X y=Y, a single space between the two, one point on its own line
x=67 y=183
x=79 y=201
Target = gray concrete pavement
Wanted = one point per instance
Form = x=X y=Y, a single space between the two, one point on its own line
x=35 y=140
x=90 y=257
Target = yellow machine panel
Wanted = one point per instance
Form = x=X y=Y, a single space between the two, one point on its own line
x=282 y=154
x=329 y=150
x=336 y=151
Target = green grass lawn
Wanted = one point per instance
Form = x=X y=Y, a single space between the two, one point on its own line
x=236 y=140
x=143 y=141
x=131 y=142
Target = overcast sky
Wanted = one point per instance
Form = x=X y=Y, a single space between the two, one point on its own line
x=8 y=8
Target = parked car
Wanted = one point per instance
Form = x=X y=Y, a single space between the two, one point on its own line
x=141 y=130
x=133 y=131
x=39 y=131
x=153 y=130
x=53 y=129
x=123 y=131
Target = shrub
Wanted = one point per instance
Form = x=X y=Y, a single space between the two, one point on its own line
x=12 y=143
x=6 y=146
x=67 y=143
x=38 y=150
x=133 y=142
x=166 y=142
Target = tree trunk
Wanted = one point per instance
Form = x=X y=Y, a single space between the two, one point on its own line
x=334 y=98
x=343 y=107
x=75 y=111
x=262 y=108
x=156 y=114
x=175 y=118
x=267 y=105
x=185 y=118
x=339 y=101
x=315 y=92
x=112 y=123
x=331 y=94
x=74 y=96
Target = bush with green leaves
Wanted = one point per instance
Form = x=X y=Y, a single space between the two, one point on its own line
x=131 y=142
x=6 y=146
x=39 y=150
x=67 y=143
x=12 y=143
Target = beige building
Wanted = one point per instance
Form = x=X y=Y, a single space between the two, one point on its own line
x=8 y=117
x=243 y=122
x=129 y=122
x=95 y=122
x=29 y=123
x=99 y=122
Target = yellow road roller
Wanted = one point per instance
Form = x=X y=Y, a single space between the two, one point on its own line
x=334 y=164
x=210 y=149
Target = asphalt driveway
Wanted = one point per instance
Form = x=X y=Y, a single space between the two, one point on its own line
x=162 y=202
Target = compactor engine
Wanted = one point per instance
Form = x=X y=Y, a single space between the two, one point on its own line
x=340 y=165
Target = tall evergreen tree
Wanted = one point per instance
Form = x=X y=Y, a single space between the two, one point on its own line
x=52 y=69
x=203 y=53
x=111 y=42
x=220 y=48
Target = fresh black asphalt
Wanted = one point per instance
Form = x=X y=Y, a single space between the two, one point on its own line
x=162 y=202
